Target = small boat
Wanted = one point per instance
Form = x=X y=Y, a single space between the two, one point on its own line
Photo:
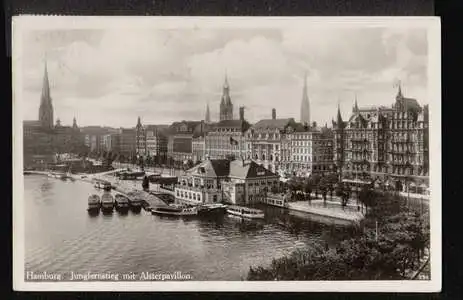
x=245 y=212
x=94 y=202
x=175 y=210
x=104 y=185
x=107 y=201
x=134 y=200
x=212 y=209
x=121 y=201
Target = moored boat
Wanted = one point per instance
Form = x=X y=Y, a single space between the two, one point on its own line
x=245 y=212
x=94 y=202
x=212 y=209
x=121 y=202
x=107 y=202
x=175 y=210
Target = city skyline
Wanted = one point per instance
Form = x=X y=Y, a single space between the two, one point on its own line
x=81 y=76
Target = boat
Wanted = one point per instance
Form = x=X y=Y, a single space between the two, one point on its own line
x=245 y=212
x=212 y=209
x=121 y=202
x=127 y=175
x=175 y=210
x=107 y=201
x=94 y=202
x=135 y=200
x=102 y=184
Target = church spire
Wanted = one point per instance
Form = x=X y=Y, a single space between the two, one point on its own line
x=356 y=108
x=339 y=117
x=208 y=115
x=305 y=105
x=46 y=107
x=399 y=91
x=226 y=106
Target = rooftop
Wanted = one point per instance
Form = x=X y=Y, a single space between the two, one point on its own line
x=273 y=123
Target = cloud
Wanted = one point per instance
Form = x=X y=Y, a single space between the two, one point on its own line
x=169 y=75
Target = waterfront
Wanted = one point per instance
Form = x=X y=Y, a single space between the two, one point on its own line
x=61 y=237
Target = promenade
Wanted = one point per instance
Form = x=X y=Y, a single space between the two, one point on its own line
x=330 y=208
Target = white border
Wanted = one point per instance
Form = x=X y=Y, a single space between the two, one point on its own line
x=23 y=23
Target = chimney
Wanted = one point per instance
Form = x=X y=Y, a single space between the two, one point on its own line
x=242 y=113
x=274 y=113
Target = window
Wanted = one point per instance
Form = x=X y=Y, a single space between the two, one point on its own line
x=178 y=193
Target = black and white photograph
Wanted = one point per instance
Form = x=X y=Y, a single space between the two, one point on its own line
x=226 y=154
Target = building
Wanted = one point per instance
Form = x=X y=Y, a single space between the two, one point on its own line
x=127 y=142
x=311 y=150
x=198 y=145
x=94 y=137
x=387 y=144
x=305 y=105
x=264 y=141
x=180 y=140
x=226 y=106
x=226 y=138
x=41 y=138
x=156 y=142
x=236 y=182
x=140 y=139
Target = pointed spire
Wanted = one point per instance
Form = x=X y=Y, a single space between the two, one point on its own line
x=139 y=122
x=225 y=84
x=74 y=123
x=356 y=108
x=46 y=85
x=339 y=117
x=305 y=105
x=399 y=92
x=208 y=114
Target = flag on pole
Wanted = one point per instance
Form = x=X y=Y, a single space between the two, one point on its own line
x=233 y=141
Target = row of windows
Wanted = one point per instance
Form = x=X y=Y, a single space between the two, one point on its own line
x=188 y=195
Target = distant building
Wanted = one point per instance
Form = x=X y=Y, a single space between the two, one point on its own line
x=387 y=144
x=222 y=180
x=156 y=142
x=41 y=138
x=226 y=105
x=265 y=140
x=311 y=150
x=140 y=139
x=198 y=145
x=226 y=139
x=180 y=139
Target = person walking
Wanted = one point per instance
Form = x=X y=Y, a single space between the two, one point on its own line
x=146 y=184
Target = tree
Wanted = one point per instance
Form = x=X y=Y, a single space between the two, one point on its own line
x=367 y=197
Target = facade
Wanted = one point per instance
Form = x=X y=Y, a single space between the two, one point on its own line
x=203 y=183
x=311 y=151
x=127 y=141
x=198 y=148
x=180 y=139
x=264 y=141
x=221 y=180
x=388 y=144
x=140 y=139
x=156 y=142
x=226 y=138
x=226 y=106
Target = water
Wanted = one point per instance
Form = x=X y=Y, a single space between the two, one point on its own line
x=60 y=236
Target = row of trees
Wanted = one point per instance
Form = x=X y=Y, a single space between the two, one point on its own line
x=301 y=188
x=390 y=245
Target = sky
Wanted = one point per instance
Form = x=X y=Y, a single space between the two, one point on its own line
x=110 y=77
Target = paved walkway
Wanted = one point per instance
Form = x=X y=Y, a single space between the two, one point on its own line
x=333 y=210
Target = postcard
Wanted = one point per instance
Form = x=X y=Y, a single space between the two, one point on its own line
x=226 y=154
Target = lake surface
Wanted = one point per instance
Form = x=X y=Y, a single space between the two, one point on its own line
x=60 y=236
